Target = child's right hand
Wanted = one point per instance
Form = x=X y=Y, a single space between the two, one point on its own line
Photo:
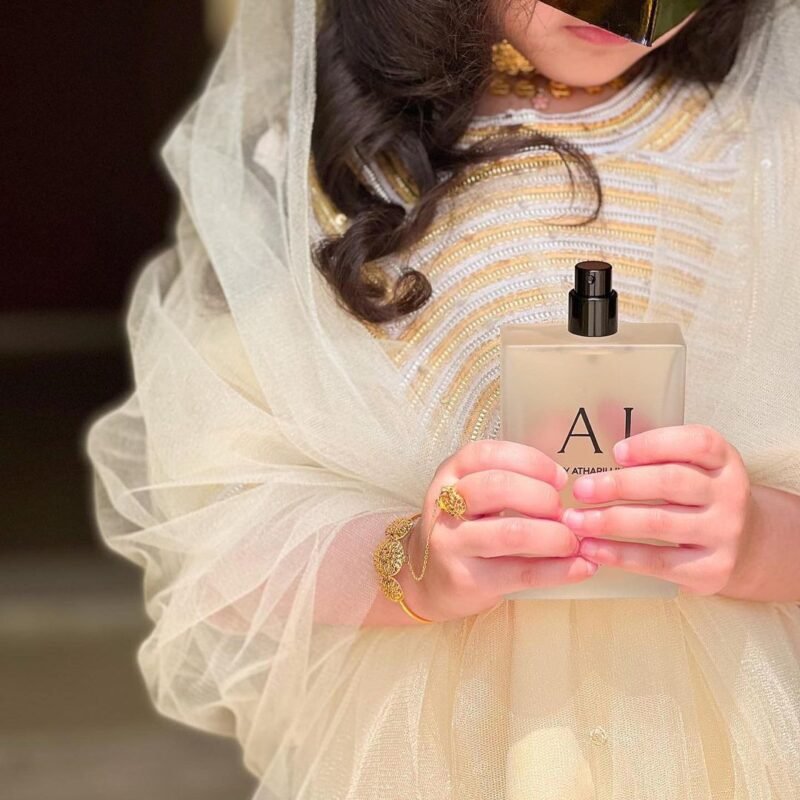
x=475 y=561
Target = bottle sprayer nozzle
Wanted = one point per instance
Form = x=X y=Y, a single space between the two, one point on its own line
x=592 y=303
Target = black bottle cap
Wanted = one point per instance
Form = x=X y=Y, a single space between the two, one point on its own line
x=592 y=303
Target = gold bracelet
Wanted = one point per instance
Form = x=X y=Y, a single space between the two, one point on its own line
x=411 y=613
x=389 y=557
x=392 y=589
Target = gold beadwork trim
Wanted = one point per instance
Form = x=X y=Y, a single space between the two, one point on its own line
x=398 y=176
x=329 y=218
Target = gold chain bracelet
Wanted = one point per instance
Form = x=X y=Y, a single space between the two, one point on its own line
x=389 y=557
x=424 y=556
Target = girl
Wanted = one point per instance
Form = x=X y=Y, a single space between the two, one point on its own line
x=369 y=190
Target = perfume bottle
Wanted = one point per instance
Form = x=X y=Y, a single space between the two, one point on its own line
x=574 y=390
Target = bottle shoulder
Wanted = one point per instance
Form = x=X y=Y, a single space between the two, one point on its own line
x=628 y=334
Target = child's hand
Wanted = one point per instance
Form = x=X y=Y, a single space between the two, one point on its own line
x=708 y=503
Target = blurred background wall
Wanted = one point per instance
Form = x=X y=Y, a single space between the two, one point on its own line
x=90 y=90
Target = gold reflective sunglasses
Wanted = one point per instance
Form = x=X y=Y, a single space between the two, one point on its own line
x=642 y=21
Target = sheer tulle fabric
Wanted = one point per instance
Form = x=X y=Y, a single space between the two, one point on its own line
x=269 y=438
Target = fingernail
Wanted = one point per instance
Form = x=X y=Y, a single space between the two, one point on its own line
x=561 y=480
x=573 y=518
x=591 y=567
x=621 y=451
x=584 y=486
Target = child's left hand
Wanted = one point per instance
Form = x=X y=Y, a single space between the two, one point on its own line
x=706 y=487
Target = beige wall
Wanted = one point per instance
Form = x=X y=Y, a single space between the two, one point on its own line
x=219 y=14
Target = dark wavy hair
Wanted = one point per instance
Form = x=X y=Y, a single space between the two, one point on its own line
x=403 y=77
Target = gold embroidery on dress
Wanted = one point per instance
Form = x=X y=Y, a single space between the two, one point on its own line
x=489 y=262
x=398 y=177
x=328 y=216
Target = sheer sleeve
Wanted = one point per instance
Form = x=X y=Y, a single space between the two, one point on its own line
x=247 y=545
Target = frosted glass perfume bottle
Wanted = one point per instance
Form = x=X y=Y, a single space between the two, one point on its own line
x=574 y=390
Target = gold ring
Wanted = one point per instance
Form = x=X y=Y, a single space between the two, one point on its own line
x=451 y=501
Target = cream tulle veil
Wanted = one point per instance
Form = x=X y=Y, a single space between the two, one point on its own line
x=269 y=437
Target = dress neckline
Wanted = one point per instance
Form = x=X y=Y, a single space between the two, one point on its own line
x=643 y=83
x=623 y=122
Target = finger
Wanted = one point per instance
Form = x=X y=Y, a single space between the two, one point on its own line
x=507 y=574
x=671 y=523
x=494 y=490
x=514 y=536
x=685 y=484
x=696 y=444
x=485 y=454
x=682 y=564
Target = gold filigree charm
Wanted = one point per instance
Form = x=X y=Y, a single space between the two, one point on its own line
x=400 y=527
x=508 y=60
x=500 y=87
x=558 y=89
x=389 y=557
x=391 y=589
x=451 y=501
x=525 y=88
